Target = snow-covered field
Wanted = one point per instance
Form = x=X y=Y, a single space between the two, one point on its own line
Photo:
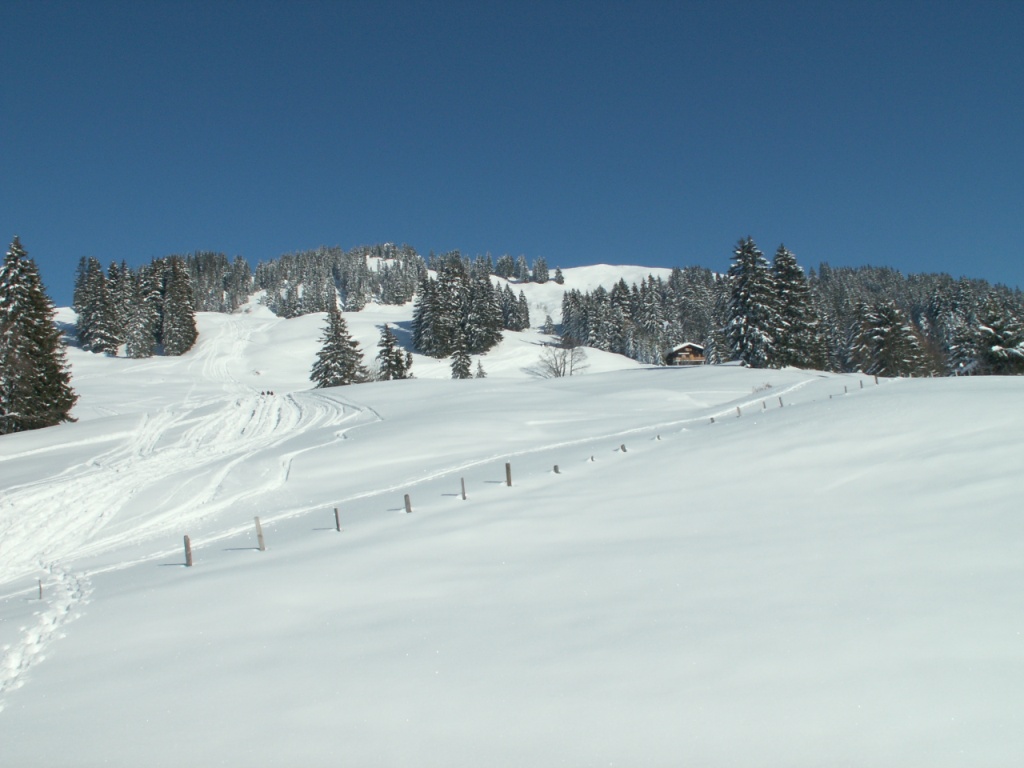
x=835 y=582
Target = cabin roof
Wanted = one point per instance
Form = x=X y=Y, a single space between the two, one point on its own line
x=688 y=345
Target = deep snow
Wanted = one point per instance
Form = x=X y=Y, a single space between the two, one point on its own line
x=832 y=582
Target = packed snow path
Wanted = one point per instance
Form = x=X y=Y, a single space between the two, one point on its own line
x=149 y=479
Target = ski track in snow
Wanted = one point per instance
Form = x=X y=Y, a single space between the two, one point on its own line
x=182 y=454
x=186 y=453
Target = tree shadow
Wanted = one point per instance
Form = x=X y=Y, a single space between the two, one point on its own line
x=403 y=332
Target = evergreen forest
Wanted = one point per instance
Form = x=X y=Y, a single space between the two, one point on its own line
x=765 y=314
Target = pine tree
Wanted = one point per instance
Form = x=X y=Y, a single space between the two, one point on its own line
x=424 y=317
x=522 y=272
x=887 y=344
x=480 y=372
x=391 y=362
x=505 y=267
x=753 y=318
x=452 y=302
x=998 y=341
x=798 y=341
x=559 y=277
x=179 y=332
x=35 y=379
x=144 y=316
x=89 y=301
x=100 y=305
x=461 y=361
x=339 y=361
x=482 y=322
x=540 y=270
x=119 y=293
x=523 y=313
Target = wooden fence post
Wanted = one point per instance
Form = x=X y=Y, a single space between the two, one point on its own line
x=862 y=383
x=337 y=520
x=508 y=473
x=463 y=481
x=876 y=379
x=556 y=470
x=738 y=412
x=712 y=419
x=188 y=551
x=780 y=402
x=846 y=390
x=40 y=589
x=764 y=405
x=408 y=504
x=259 y=536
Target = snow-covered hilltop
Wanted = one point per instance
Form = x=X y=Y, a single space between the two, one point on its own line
x=729 y=566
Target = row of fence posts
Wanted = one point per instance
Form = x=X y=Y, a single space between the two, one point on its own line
x=764 y=403
x=261 y=543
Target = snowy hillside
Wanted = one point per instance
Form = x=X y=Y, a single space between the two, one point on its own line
x=729 y=568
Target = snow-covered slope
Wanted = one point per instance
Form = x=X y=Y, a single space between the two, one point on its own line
x=828 y=575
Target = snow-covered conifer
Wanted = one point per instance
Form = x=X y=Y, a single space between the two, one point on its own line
x=540 y=270
x=887 y=344
x=998 y=341
x=798 y=339
x=35 y=379
x=753 y=317
x=179 y=332
x=461 y=361
x=339 y=361
x=391 y=362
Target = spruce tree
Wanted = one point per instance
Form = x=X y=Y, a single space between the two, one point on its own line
x=523 y=313
x=391 y=362
x=461 y=361
x=88 y=302
x=482 y=322
x=998 y=341
x=540 y=270
x=798 y=341
x=887 y=344
x=753 y=318
x=505 y=267
x=339 y=361
x=522 y=272
x=35 y=379
x=424 y=317
x=146 y=315
x=462 y=364
x=108 y=332
x=178 y=333
x=480 y=372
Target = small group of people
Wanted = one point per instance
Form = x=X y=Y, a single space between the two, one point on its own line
x=266 y=392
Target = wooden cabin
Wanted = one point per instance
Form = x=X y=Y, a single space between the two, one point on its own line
x=686 y=354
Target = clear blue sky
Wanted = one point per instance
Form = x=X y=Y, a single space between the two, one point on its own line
x=654 y=133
